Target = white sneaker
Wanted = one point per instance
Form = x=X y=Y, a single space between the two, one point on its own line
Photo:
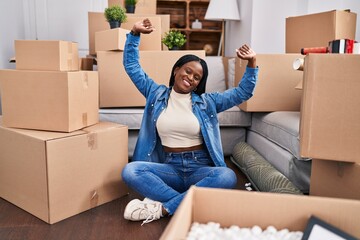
x=148 y=200
x=137 y=210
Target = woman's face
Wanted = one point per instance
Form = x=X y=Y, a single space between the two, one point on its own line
x=187 y=77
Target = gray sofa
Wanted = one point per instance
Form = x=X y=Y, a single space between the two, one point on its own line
x=274 y=136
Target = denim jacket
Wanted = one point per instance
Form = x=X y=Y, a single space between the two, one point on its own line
x=205 y=107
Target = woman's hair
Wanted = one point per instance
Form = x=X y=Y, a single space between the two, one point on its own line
x=189 y=58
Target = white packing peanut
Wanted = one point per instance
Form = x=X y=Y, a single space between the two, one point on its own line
x=213 y=231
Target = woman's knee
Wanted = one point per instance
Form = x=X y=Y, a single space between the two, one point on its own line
x=229 y=177
x=130 y=171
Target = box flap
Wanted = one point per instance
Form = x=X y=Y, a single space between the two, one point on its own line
x=42 y=135
x=247 y=209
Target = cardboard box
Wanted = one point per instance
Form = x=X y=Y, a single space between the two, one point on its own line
x=46 y=55
x=49 y=100
x=316 y=30
x=112 y=39
x=116 y=88
x=86 y=64
x=246 y=209
x=97 y=22
x=142 y=6
x=165 y=25
x=330 y=120
x=56 y=175
x=335 y=179
x=275 y=89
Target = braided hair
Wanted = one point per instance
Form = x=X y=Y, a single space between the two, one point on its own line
x=189 y=58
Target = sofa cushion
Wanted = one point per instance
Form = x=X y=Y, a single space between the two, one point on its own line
x=280 y=127
x=234 y=117
x=216 y=77
x=127 y=116
x=231 y=73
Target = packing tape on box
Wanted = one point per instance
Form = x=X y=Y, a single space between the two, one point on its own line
x=69 y=63
x=69 y=55
x=94 y=199
x=92 y=141
x=85 y=80
x=84 y=119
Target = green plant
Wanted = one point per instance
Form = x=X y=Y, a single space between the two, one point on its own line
x=174 y=38
x=115 y=13
x=131 y=2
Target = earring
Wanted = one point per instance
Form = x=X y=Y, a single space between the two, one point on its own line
x=195 y=89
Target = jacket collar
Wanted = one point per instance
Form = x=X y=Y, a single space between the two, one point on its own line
x=194 y=97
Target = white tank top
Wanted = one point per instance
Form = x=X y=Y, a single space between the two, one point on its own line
x=177 y=125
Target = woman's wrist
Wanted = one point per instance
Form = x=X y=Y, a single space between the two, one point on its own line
x=134 y=33
x=252 y=62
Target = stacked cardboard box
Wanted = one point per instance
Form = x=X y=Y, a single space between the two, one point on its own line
x=97 y=23
x=116 y=88
x=316 y=30
x=56 y=159
x=278 y=83
x=329 y=133
x=142 y=6
x=47 y=91
x=330 y=123
x=275 y=89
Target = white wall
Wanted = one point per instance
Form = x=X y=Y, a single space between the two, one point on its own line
x=262 y=23
x=11 y=27
x=238 y=33
x=45 y=20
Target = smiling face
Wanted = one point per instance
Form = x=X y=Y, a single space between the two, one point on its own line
x=188 y=77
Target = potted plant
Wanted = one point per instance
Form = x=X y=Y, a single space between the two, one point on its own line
x=130 y=5
x=115 y=15
x=174 y=39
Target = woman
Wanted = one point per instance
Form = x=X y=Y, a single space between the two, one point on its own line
x=179 y=140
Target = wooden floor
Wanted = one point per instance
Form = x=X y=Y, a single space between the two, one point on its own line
x=103 y=222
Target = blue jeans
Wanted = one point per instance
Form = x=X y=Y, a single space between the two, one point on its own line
x=168 y=182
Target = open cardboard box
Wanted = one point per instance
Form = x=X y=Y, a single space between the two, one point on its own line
x=246 y=209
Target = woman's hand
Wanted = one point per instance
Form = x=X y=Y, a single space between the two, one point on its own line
x=144 y=26
x=246 y=53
